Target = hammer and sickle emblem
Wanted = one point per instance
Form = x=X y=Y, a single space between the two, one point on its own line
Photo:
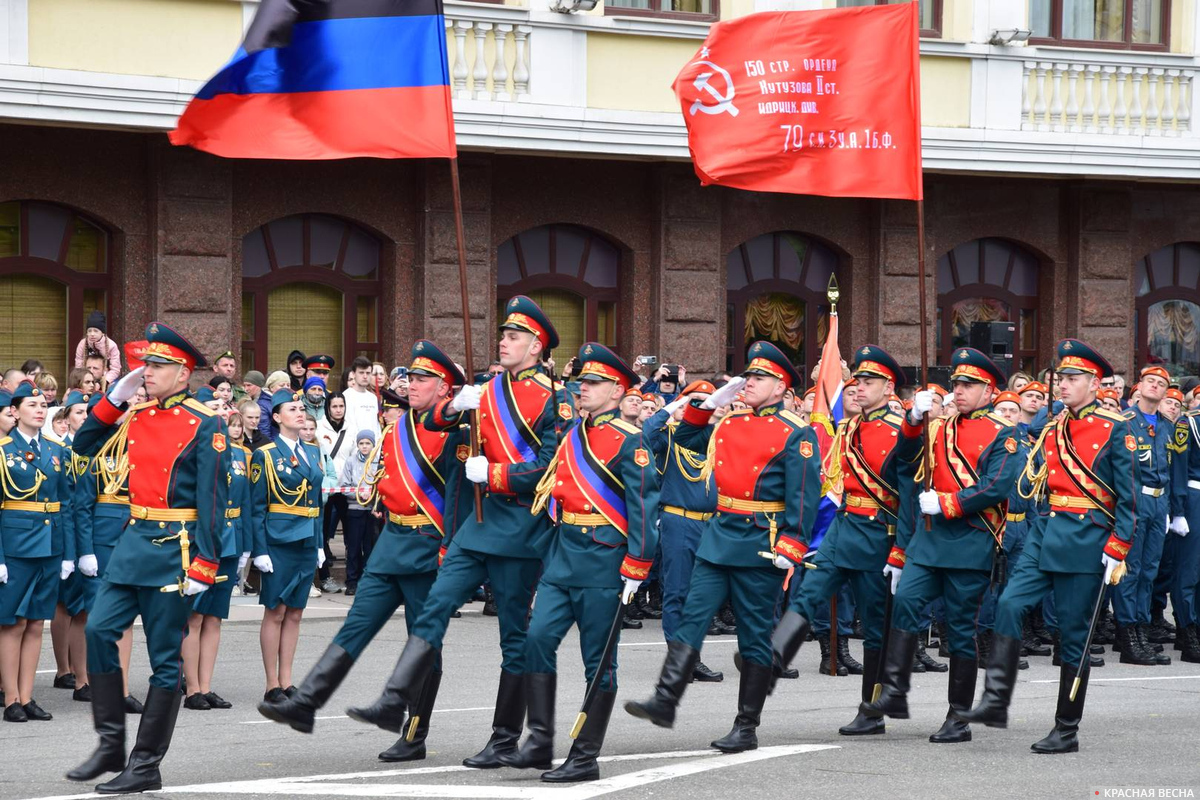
x=724 y=101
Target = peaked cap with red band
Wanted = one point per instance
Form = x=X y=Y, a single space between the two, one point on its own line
x=429 y=359
x=1078 y=358
x=524 y=315
x=973 y=366
x=764 y=358
x=167 y=346
x=872 y=361
x=598 y=363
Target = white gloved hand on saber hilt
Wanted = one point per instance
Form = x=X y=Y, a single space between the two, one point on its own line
x=629 y=589
x=893 y=574
x=194 y=587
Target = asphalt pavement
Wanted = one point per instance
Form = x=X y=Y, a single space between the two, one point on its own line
x=1141 y=730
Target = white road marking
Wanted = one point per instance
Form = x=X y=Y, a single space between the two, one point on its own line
x=698 y=761
x=343 y=716
x=1149 y=678
x=707 y=642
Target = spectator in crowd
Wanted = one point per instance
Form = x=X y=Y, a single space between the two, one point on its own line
x=295 y=371
x=495 y=368
x=95 y=343
x=226 y=365
x=392 y=404
x=362 y=403
x=95 y=364
x=252 y=437
x=1019 y=381
x=358 y=527
x=1194 y=398
x=666 y=381
x=1033 y=397
x=631 y=406
x=309 y=433
x=337 y=444
x=318 y=366
x=33 y=369
x=12 y=379
x=399 y=382
x=1109 y=399
x=49 y=387
x=8 y=420
x=275 y=381
x=222 y=388
x=314 y=397
x=58 y=424
x=254 y=383
x=379 y=376
x=83 y=380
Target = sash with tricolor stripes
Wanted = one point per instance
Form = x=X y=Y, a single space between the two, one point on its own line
x=601 y=488
x=517 y=439
x=965 y=476
x=417 y=472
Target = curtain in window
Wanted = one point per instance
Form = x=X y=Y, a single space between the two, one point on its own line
x=778 y=317
x=1094 y=20
x=977 y=309
x=33 y=323
x=305 y=317
x=1172 y=335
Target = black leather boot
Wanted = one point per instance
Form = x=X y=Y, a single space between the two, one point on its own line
x=1000 y=676
x=845 y=659
x=400 y=694
x=108 y=718
x=789 y=634
x=299 y=710
x=826 y=653
x=862 y=725
x=581 y=761
x=1064 y=738
x=672 y=681
x=927 y=661
x=752 y=694
x=961 y=693
x=153 y=739
x=538 y=750
x=1033 y=646
x=1190 y=636
x=1141 y=630
x=403 y=749
x=507 y=722
x=897 y=675
x=1131 y=649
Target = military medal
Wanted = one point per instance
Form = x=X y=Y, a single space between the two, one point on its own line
x=29 y=455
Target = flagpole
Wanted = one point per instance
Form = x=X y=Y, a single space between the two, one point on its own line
x=926 y=440
x=466 y=314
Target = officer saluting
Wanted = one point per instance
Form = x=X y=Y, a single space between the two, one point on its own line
x=602 y=490
x=174 y=454
x=767 y=467
x=1090 y=472
x=412 y=481
x=873 y=460
x=518 y=410
x=974 y=465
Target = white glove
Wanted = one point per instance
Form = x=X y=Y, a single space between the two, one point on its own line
x=67 y=568
x=922 y=405
x=1179 y=525
x=629 y=590
x=783 y=562
x=893 y=573
x=320 y=557
x=676 y=404
x=126 y=388
x=930 y=506
x=467 y=398
x=3 y=573
x=725 y=395
x=477 y=469
x=243 y=560
x=88 y=565
x=1110 y=564
x=194 y=587
x=263 y=564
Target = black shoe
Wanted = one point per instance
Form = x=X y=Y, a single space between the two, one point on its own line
x=299 y=711
x=752 y=694
x=1064 y=738
x=538 y=750
x=999 y=678
x=856 y=628
x=845 y=659
x=108 y=718
x=197 y=702
x=1131 y=647
x=629 y=622
x=1037 y=626
x=1191 y=644
x=1031 y=644
x=918 y=666
x=290 y=691
x=825 y=668
x=672 y=681
x=705 y=675
x=929 y=662
x=507 y=720
x=351 y=591
x=861 y=725
x=897 y=677
x=216 y=701
x=275 y=695
x=15 y=713
x=1160 y=631
x=133 y=705
x=581 y=761
x=790 y=674
x=402 y=689
x=83 y=694
x=644 y=606
x=489 y=602
x=961 y=693
x=36 y=713
x=331 y=586
x=64 y=681
x=414 y=750
x=153 y=739
x=727 y=617
x=1153 y=650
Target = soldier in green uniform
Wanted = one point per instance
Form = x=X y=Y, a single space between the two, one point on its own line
x=602 y=492
x=518 y=414
x=766 y=464
x=974 y=464
x=415 y=477
x=1089 y=471
x=175 y=456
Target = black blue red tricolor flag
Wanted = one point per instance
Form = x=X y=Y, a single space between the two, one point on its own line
x=320 y=79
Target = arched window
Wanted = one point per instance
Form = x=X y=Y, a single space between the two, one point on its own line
x=988 y=280
x=572 y=273
x=775 y=290
x=1168 y=307
x=310 y=282
x=54 y=270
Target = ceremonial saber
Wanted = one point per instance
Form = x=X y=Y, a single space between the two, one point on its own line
x=182 y=584
x=1118 y=573
x=593 y=689
x=887 y=627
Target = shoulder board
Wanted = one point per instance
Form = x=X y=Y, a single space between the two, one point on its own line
x=997 y=418
x=266 y=447
x=140 y=406
x=1128 y=413
x=5 y=440
x=1190 y=414
x=622 y=425
x=52 y=440
x=242 y=447
x=198 y=407
x=793 y=417
x=741 y=412
x=544 y=380
x=894 y=419
x=1104 y=412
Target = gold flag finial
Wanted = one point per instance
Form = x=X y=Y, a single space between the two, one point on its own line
x=831 y=291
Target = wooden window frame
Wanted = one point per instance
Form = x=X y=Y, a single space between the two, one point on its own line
x=656 y=11
x=1158 y=294
x=926 y=33
x=1056 y=26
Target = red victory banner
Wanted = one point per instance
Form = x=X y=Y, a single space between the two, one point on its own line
x=808 y=102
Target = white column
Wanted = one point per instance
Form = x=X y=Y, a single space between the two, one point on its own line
x=14 y=32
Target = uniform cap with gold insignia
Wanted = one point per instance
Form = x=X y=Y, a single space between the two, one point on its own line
x=1077 y=358
x=319 y=363
x=598 y=363
x=283 y=397
x=205 y=394
x=764 y=358
x=25 y=389
x=167 y=346
x=522 y=314
x=429 y=359
x=972 y=366
x=75 y=397
x=872 y=361
x=390 y=399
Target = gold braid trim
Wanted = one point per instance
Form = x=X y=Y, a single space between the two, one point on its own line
x=285 y=496
x=710 y=456
x=117 y=449
x=9 y=487
x=541 y=495
x=682 y=454
x=832 y=463
x=930 y=446
x=1034 y=476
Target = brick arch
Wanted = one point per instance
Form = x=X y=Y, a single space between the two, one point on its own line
x=1166 y=286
